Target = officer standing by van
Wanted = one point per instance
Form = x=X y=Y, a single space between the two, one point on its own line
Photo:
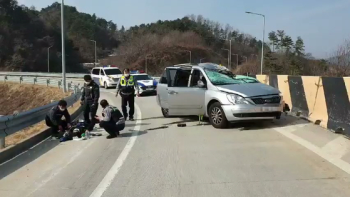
x=126 y=88
x=89 y=100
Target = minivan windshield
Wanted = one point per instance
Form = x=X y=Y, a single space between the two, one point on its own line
x=114 y=71
x=223 y=77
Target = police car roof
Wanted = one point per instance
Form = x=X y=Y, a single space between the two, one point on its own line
x=106 y=68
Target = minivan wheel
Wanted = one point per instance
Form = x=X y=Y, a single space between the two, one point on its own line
x=165 y=112
x=217 y=116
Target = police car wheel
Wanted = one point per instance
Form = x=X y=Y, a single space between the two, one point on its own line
x=165 y=112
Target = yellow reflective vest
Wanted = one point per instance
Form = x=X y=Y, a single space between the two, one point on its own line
x=124 y=82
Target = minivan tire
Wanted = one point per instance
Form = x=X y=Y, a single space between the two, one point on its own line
x=217 y=116
x=165 y=112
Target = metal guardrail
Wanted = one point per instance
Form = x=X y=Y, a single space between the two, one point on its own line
x=38 y=74
x=11 y=124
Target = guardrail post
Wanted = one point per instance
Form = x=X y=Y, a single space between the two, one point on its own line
x=5 y=78
x=47 y=82
x=20 y=79
x=69 y=85
x=59 y=83
x=35 y=80
x=2 y=142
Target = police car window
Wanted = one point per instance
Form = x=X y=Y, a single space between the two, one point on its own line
x=113 y=71
x=96 y=71
x=142 y=77
x=181 y=78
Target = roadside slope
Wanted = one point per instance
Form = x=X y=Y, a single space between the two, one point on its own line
x=23 y=97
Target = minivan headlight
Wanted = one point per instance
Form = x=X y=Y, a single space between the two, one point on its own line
x=236 y=99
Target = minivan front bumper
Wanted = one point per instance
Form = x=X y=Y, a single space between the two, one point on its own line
x=252 y=112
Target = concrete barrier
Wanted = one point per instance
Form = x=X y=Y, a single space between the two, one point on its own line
x=323 y=100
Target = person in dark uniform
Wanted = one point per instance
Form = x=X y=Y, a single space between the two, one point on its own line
x=126 y=88
x=54 y=119
x=89 y=100
x=113 y=121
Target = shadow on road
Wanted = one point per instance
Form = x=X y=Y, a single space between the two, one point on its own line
x=130 y=134
x=246 y=125
x=27 y=157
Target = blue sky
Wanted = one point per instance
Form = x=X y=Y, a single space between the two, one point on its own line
x=323 y=24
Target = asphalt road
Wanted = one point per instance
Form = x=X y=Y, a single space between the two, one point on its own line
x=250 y=159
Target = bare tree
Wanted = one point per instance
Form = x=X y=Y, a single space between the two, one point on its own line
x=340 y=62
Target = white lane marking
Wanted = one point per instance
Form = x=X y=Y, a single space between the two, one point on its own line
x=337 y=147
x=60 y=168
x=109 y=177
x=25 y=151
x=330 y=158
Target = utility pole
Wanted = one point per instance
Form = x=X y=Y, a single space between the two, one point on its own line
x=230 y=67
x=263 y=41
x=48 y=59
x=236 y=59
x=228 y=57
x=95 y=53
x=63 y=49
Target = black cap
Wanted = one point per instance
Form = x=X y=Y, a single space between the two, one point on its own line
x=87 y=78
x=62 y=103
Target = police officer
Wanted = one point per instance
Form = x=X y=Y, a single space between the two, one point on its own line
x=89 y=100
x=126 y=88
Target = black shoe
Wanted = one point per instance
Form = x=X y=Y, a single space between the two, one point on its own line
x=111 y=136
x=131 y=119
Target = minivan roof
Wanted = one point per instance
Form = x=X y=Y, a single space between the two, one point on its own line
x=201 y=65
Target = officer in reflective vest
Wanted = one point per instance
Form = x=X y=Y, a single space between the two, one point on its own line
x=126 y=88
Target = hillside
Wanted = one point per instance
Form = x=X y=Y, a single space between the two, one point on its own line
x=27 y=33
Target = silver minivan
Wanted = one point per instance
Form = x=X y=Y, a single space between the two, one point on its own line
x=213 y=91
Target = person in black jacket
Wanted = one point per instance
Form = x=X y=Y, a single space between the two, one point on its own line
x=54 y=118
x=89 y=100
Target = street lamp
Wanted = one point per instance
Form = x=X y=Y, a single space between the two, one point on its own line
x=200 y=61
x=95 y=53
x=230 y=61
x=190 y=56
x=263 y=40
x=63 y=49
x=228 y=57
x=48 y=59
x=246 y=59
x=146 y=67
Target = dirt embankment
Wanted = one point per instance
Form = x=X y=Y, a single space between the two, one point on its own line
x=23 y=97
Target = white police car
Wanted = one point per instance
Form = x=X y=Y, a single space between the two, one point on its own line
x=106 y=76
x=147 y=85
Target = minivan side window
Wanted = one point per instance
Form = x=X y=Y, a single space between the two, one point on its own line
x=96 y=71
x=163 y=79
x=181 y=78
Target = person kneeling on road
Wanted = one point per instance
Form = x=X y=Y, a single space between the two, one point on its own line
x=113 y=121
x=54 y=119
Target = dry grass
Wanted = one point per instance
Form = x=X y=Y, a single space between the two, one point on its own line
x=30 y=131
x=23 y=97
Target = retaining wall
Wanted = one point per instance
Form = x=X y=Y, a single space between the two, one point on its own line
x=323 y=100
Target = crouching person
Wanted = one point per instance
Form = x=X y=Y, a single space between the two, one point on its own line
x=113 y=121
x=54 y=119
